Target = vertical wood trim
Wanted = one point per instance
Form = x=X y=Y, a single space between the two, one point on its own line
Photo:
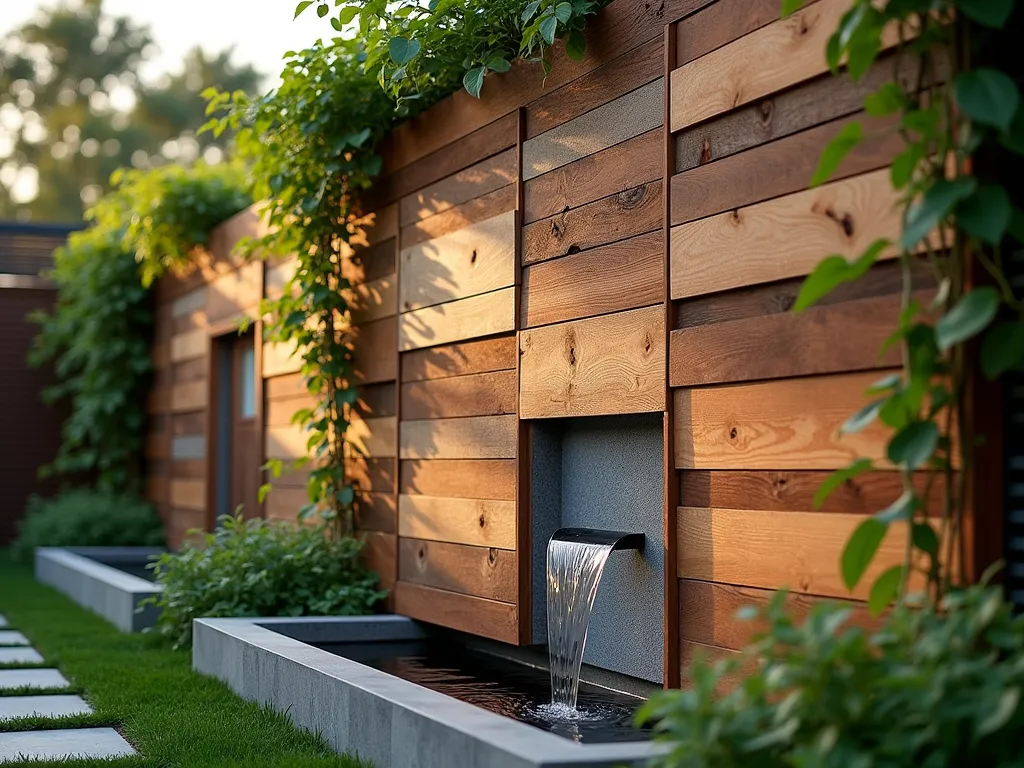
x=212 y=433
x=397 y=471
x=261 y=409
x=524 y=544
x=671 y=660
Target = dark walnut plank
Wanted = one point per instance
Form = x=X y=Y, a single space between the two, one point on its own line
x=481 y=394
x=459 y=359
x=473 y=479
x=476 y=615
x=486 y=176
x=478 y=571
x=721 y=23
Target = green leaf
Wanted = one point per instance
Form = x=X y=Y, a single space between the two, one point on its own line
x=322 y=10
x=985 y=214
x=860 y=550
x=885 y=589
x=989 y=13
x=991 y=720
x=336 y=24
x=563 y=12
x=862 y=418
x=402 y=50
x=887 y=100
x=901 y=509
x=1002 y=349
x=530 y=11
x=833 y=155
x=473 y=81
x=926 y=214
x=913 y=445
x=834 y=271
x=548 y=28
x=261 y=495
x=498 y=63
x=576 y=45
x=837 y=478
x=301 y=7
x=348 y=13
x=791 y=6
x=904 y=164
x=988 y=97
x=969 y=317
x=925 y=538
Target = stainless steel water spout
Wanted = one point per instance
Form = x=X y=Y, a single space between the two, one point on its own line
x=616 y=539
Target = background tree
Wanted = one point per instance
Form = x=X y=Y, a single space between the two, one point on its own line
x=73 y=109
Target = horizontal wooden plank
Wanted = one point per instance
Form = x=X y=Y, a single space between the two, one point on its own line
x=480 y=571
x=157 y=445
x=189 y=468
x=375 y=349
x=707 y=612
x=471 y=261
x=373 y=300
x=594 y=282
x=460 y=359
x=604 y=365
x=376 y=512
x=277 y=277
x=381 y=556
x=829 y=339
x=192 y=396
x=157 y=490
x=777 y=168
x=374 y=438
x=185 y=323
x=692 y=654
x=484 y=315
x=719 y=24
x=481 y=394
x=190 y=370
x=280 y=410
x=188 y=423
x=624 y=166
x=474 y=478
x=785 y=237
x=616 y=217
x=188 y=345
x=189 y=303
x=280 y=358
x=757 y=548
x=476 y=615
x=460 y=216
x=376 y=399
x=597 y=129
x=486 y=176
x=371 y=262
x=371 y=474
x=285 y=442
x=235 y=293
x=785 y=424
x=478 y=437
x=375 y=228
x=286 y=386
x=188 y=494
x=480 y=522
x=284 y=503
x=619 y=76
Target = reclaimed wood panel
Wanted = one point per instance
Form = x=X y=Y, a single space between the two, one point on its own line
x=784 y=424
x=472 y=478
x=605 y=126
x=188 y=423
x=471 y=261
x=279 y=411
x=280 y=358
x=721 y=23
x=370 y=474
x=479 y=522
x=374 y=438
x=486 y=176
x=288 y=385
x=477 y=437
x=757 y=548
x=236 y=293
x=482 y=394
x=785 y=237
x=380 y=555
x=284 y=503
x=285 y=442
x=188 y=345
x=375 y=228
x=376 y=512
x=484 y=315
x=193 y=301
x=616 y=217
x=460 y=359
x=594 y=282
x=480 y=571
x=466 y=613
x=190 y=322
x=376 y=399
x=277 y=277
x=777 y=168
x=605 y=365
x=624 y=166
x=370 y=263
x=460 y=216
x=192 y=396
x=373 y=300
x=188 y=494
x=374 y=348
x=190 y=370
x=188 y=468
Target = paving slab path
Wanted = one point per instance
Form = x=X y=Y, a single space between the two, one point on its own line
x=53 y=705
x=63 y=744
x=32 y=678
x=3 y=621
x=22 y=654
x=10 y=637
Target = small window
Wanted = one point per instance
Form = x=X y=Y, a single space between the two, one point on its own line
x=247 y=384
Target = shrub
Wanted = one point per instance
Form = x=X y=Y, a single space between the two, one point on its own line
x=87 y=518
x=932 y=687
x=260 y=568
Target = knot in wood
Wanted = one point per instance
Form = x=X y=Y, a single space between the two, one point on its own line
x=733 y=433
x=630 y=198
x=472 y=259
x=483 y=521
x=647 y=343
x=492 y=556
x=422 y=553
x=767 y=107
x=556 y=230
x=705 y=152
x=845 y=221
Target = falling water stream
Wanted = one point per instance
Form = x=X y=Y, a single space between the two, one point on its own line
x=574 y=572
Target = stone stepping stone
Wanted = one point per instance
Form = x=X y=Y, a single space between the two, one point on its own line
x=12 y=707
x=20 y=655
x=63 y=745
x=31 y=678
x=11 y=637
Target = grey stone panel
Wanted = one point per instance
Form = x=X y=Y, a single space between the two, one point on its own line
x=20 y=655
x=111 y=593
x=63 y=744
x=188 y=447
x=12 y=707
x=10 y=637
x=31 y=678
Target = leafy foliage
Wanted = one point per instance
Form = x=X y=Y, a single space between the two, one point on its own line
x=935 y=685
x=259 y=568
x=87 y=518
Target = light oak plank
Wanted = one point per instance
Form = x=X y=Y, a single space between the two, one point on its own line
x=476 y=615
x=380 y=555
x=188 y=494
x=479 y=437
x=188 y=345
x=471 y=478
x=191 y=302
x=280 y=358
x=479 y=522
x=460 y=359
x=191 y=396
x=373 y=438
x=480 y=571
x=482 y=394
x=373 y=300
x=484 y=315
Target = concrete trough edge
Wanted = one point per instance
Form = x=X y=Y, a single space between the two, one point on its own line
x=374 y=715
x=101 y=588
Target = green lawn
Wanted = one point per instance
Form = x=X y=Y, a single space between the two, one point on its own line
x=138 y=685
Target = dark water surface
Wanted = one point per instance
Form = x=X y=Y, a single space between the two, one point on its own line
x=502 y=686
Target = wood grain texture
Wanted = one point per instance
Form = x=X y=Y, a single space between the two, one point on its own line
x=692 y=654
x=476 y=615
x=798 y=550
x=279 y=411
x=708 y=612
x=188 y=345
x=777 y=168
x=785 y=424
x=480 y=571
x=371 y=474
x=374 y=349
x=376 y=400
x=460 y=216
x=373 y=438
x=595 y=282
x=484 y=315
x=605 y=126
x=479 y=522
x=482 y=394
x=376 y=512
x=188 y=494
x=605 y=365
x=816 y=341
x=486 y=176
x=370 y=263
x=474 y=479
x=616 y=217
x=374 y=228
x=624 y=166
x=611 y=80
x=381 y=555
x=192 y=396
x=479 y=437
x=719 y=24
x=373 y=300
x=281 y=387
x=471 y=261
x=785 y=237
x=460 y=359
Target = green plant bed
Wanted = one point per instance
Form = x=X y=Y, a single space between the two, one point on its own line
x=149 y=692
